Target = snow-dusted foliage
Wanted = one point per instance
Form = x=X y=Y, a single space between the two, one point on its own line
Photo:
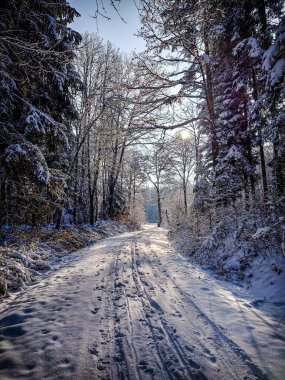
x=36 y=76
x=237 y=245
x=27 y=160
x=251 y=45
x=274 y=58
x=40 y=125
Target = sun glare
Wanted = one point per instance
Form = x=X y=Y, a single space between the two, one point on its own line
x=184 y=135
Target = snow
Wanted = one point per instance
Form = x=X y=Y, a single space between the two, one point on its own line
x=255 y=50
x=261 y=233
x=34 y=122
x=233 y=153
x=206 y=58
x=52 y=24
x=277 y=72
x=132 y=307
x=218 y=29
x=27 y=155
x=60 y=78
x=235 y=37
x=26 y=251
x=273 y=58
x=15 y=148
x=41 y=123
x=251 y=43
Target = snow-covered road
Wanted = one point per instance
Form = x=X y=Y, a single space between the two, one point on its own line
x=130 y=307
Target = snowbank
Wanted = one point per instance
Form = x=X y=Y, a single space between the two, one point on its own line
x=26 y=252
x=239 y=251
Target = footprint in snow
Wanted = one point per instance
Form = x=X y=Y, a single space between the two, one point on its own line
x=93 y=350
x=45 y=331
x=13 y=332
x=144 y=366
x=188 y=348
x=13 y=319
x=156 y=306
x=210 y=356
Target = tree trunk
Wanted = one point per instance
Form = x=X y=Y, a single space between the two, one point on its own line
x=92 y=209
x=261 y=149
x=210 y=98
x=249 y=153
x=263 y=171
x=159 y=208
x=111 y=211
x=185 y=197
x=58 y=219
x=279 y=171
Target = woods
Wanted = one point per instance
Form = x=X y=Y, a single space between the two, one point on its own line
x=142 y=195
x=220 y=67
x=86 y=130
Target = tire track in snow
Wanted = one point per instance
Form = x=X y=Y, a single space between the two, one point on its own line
x=231 y=356
x=175 y=363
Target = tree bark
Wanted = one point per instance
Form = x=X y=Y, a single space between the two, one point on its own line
x=159 y=208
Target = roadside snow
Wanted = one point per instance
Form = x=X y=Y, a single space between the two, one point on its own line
x=239 y=253
x=26 y=252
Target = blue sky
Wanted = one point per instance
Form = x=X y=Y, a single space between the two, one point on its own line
x=115 y=30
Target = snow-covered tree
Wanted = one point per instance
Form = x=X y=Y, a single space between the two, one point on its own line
x=273 y=100
x=37 y=75
x=159 y=172
x=182 y=158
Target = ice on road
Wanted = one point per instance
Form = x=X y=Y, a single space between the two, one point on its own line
x=130 y=307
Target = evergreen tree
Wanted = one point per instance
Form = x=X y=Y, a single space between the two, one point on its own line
x=37 y=75
x=273 y=103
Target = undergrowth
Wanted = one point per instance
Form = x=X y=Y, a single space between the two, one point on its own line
x=26 y=252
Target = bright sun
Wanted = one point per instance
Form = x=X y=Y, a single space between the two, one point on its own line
x=184 y=135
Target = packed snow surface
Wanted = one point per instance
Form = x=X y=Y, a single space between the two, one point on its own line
x=130 y=307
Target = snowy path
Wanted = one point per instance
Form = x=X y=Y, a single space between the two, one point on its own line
x=131 y=308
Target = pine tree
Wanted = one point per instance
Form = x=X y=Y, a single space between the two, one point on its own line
x=37 y=75
x=273 y=103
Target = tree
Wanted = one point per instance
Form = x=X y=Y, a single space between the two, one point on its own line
x=94 y=63
x=159 y=172
x=181 y=149
x=273 y=103
x=37 y=75
x=108 y=125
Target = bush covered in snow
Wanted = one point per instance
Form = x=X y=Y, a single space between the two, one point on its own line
x=237 y=245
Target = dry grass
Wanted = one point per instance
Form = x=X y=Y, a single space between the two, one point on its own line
x=23 y=254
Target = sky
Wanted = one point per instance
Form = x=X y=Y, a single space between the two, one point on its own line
x=120 y=33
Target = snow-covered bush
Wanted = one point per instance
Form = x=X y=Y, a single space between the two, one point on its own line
x=238 y=240
x=26 y=252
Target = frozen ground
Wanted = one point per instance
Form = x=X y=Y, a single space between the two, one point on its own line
x=130 y=307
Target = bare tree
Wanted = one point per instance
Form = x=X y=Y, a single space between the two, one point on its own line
x=182 y=158
x=159 y=172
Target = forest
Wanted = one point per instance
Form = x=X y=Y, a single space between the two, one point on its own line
x=89 y=134
x=133 y=185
